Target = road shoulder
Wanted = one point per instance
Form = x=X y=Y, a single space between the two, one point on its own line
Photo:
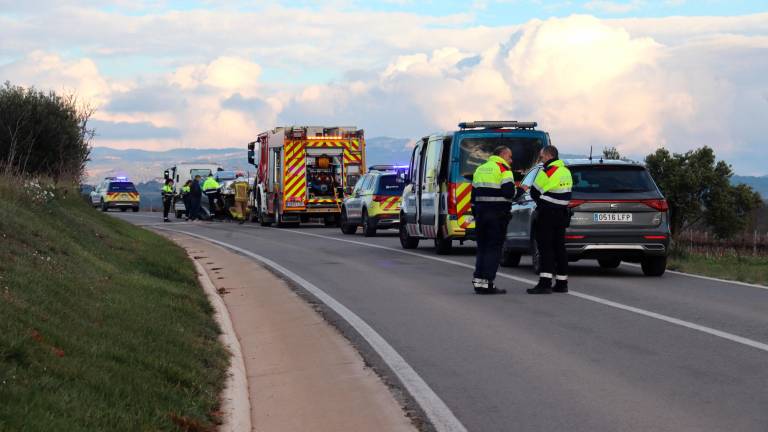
x=302 y=374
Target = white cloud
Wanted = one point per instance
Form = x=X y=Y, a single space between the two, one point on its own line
x=635 y=83
x=613 y=7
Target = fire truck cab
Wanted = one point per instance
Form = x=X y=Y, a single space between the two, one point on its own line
x=436 y=199
x=304 y=172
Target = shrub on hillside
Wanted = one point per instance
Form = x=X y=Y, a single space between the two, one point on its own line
x=43 y=134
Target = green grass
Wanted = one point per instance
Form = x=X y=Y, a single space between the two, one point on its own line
x=102 y=325
x=745 y=269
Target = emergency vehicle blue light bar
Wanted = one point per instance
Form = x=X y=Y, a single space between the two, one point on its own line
x=497 y=124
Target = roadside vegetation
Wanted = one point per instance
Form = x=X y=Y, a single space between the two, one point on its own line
x=102 y=324
x=752 y=269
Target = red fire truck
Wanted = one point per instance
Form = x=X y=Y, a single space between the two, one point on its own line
x=304 y=172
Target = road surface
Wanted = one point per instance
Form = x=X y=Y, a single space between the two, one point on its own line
x=622 y=352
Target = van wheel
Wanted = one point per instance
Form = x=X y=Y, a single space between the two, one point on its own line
x=406 y=241
x=654 y=266
x=346 y=227
x=609 y=263
x=535 y=257
x=510 y=258
x=443 y=245
x=369 y=226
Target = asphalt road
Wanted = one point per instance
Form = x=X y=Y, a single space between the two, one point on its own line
x=624 y=352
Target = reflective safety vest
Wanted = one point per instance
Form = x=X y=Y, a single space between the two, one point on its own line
x=167 y=189
x=493 y=185
x=241 y=190
x=210 y=184
x=552 y=186
x=185 y=189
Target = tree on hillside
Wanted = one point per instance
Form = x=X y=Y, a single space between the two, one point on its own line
x=43 y=134
x=611 y=153
x=699 y=191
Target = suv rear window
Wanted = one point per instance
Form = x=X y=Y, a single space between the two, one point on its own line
x=121 y=187
x=611 y=179
x=390 y=185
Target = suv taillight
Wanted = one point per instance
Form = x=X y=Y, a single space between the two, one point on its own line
x=576 y=203
x=660 y=205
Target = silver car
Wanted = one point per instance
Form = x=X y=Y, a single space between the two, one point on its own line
x=618 y=214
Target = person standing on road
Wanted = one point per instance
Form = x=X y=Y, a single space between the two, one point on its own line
x=185 y=190
x=240 y=186
x=167 y=193
x=552 y=192
x=493 y=189
x=195 y=197
x=211 y=190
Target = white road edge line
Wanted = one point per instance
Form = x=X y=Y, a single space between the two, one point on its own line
x=709 y=278
x=437 y=411
x=721 y=334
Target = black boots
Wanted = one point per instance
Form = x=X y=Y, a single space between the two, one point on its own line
x=543 y=287
x=483 y=286
x=561 y=286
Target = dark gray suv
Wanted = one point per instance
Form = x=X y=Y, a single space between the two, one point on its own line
x=618 y=214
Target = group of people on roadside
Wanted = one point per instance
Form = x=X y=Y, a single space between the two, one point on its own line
x=493 y=191
x=192 y=194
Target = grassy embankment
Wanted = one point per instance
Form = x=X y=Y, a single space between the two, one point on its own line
x=744 y=269
x=102 y=325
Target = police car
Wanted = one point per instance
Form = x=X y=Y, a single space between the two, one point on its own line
x=115 y=192
x=375 y=200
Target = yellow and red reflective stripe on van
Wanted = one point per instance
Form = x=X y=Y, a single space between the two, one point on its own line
x=459 y=208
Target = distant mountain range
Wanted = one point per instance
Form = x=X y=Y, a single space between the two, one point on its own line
x=760 y=184
x=142 y=165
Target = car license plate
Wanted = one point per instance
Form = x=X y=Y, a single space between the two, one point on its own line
x=124 y=197
x=612 y=217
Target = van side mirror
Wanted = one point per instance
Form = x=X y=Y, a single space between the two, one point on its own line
x=251 y=157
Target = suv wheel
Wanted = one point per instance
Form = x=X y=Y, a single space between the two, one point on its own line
x=346 y=227
x=406 y=241
x=609 y=263
x=369 y=226
x=654 y=266
x=510 y=258
x=535 y=257
x=104 y=206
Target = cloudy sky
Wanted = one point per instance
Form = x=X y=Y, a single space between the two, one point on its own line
x=636 y=74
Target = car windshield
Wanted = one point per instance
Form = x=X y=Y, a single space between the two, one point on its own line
x=121 y=187
x=610 y=179
x=225 y=175
x=390 y=185
x=203 y=173
x=475 y=151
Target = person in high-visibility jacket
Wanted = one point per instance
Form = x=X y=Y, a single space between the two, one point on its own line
x=552 y=192
x=185 y=196
x=167 y=193
x=240 y=186
x=493 y=189
x=211 y=190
